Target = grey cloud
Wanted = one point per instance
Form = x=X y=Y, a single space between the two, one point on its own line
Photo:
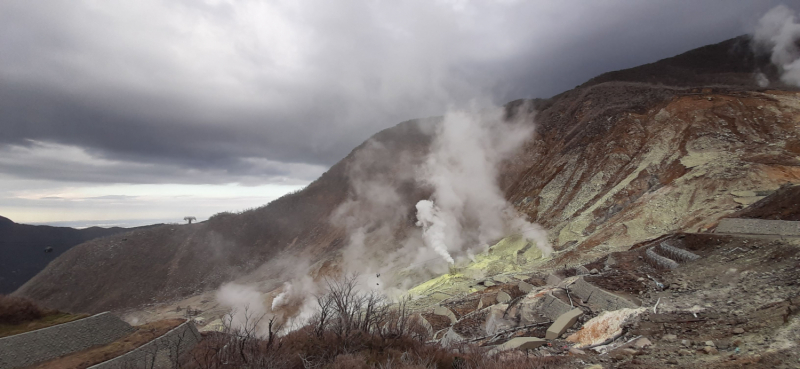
x=215 y=92
x=72 y=164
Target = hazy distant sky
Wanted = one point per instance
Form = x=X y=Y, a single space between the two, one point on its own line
x=159 y=109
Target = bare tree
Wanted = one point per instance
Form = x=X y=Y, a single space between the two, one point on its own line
x=189 y=219
x=321 y=319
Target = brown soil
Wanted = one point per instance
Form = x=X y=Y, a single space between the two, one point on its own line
x=620 y=281
x=463 y=307
x=438 y=322
x=537 y=280
x=143 y=334
x=473 y=325
x=512 y=290
x=783 y=204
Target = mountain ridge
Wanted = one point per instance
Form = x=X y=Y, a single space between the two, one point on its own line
x=585 y=209
x=23 y=248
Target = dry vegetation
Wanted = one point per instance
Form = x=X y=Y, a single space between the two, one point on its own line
x=350 y=329
x=20 y=315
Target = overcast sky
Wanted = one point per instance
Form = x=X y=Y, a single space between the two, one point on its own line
x=141 y=110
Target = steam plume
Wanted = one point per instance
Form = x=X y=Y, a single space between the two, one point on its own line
x=433 y=228
x=778 y=32
x=467 y=210
x=460 y=209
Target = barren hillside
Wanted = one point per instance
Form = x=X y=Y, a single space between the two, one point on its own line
x=23 y=248
x=628 y=156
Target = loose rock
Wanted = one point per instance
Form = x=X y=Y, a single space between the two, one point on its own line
x=710 y=350
x=575 y=351
x=642 y=343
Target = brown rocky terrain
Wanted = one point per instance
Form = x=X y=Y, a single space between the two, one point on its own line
x=629 y=173
x=735 y=304
x=627 y=157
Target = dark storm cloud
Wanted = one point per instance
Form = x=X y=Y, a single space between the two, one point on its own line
x=257 y=92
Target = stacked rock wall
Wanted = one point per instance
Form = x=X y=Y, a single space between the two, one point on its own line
x=48 y=343
x=158 y=353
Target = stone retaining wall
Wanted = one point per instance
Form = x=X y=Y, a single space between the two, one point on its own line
x=158 y=353
x=49 y=343
x=660 y=261
x=597 y=298
x=552 y=307
x=758 y=226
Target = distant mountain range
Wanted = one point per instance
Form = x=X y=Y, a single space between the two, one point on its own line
x=27 y=249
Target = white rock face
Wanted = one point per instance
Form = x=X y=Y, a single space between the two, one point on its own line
x=604 y=326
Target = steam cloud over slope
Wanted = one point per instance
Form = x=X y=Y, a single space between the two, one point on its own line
x=460 y=210
x=778 y=32
x=469 y=210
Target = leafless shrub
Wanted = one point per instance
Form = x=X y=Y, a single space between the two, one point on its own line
x=239 y=346
x=351 y=329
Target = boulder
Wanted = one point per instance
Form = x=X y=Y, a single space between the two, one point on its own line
x=450 y=337
x=521 y=343
x=529 y=310
x=495 y=320
x=525 y=287
x=501 y=278
x=603 y=327
x=575 y=351
x=441 y=310
x=503 y=297
x=564 y=322
x=642 y=343
x=423 y=322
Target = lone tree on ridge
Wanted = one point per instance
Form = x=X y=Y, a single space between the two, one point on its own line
x=189 y=219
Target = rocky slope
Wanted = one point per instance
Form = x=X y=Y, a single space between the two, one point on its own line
x=628 y=156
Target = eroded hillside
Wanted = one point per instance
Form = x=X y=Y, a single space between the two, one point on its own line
x=626 y=157
x=681 y=164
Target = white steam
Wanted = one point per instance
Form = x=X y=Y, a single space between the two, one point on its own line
x=246 y=304
x=283 y=297
x=449 y=168
x=778 y=31
x=433 y=228
x=468 y=210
